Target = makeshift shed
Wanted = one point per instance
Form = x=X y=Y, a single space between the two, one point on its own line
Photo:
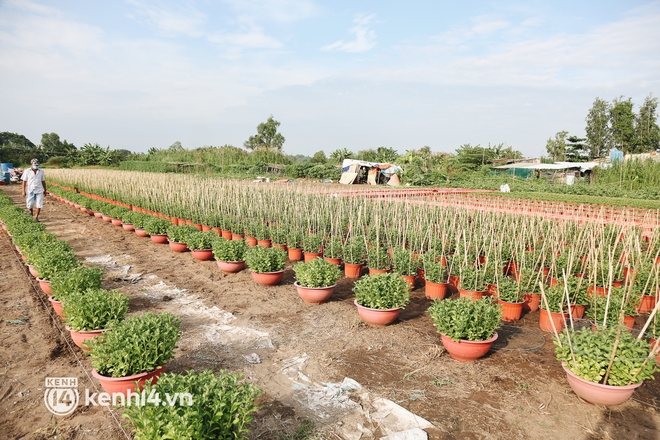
x=373 y=173
x=565 y=171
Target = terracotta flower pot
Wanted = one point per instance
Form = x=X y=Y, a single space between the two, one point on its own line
x=315 y=295
x=421 y=279
x=436 y=290
x=577 y=311
x=178 y=247
x=82 y=336
x=205 y=228
x=377 y=271
x=599 y=394
x=281 y=246
x=128 y=227
x=116 y=222
x=33 y=271
x=335 y=261
x=268 y=278
x=647 y=304
x=531 y=302
x=410 y=279
x=251 y=241
x=295 y=254
x=98 y=215
x=474 y=295
x=226 y=234
x=45 y=286
x=467 y=351
x=107 y=218
x=352 y=270
x=377 y=317
x=237 y=236
x=309 y=256
x=159 y=238
x=127 y=384
x=454 y=281
x=264 y=243
x=510 y=311
x=202 y=254
x=141 y=232
x=629 y=321
x=198 y=226
x=597 y=290
x=57 y=305
x=557 y=318
x=230 y=266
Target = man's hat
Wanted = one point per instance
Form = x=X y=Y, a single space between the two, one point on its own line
x=34 y=161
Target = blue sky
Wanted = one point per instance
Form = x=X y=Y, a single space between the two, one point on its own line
x=337 y=74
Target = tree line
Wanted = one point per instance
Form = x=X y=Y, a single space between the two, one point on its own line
x=610 y=125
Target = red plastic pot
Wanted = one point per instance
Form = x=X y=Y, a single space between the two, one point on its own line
x=377 y=317
x=141 y=232
x=202 y=254
x=127 y=384
x=82 y=336
x=377 y=271
x=315 y=295
x=474 y=295
x=599 y=394
x=264 y=243
x=510 y=311
x=309 y=256
x=268 y=278
x=295 y=254
x=45 y=286
x=128 y=227
x=531 y=302
x=647 y=304
x=230 y=266
x=57 y=305
x=467 y=351
x=159 y=238
x=436 y=290
x=178 y=247
x=251 y=241
x=352 y=270
x=116 y=222
x=226 y=234
x=557 y=318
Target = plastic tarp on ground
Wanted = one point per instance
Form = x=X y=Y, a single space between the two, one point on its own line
x=582 y=166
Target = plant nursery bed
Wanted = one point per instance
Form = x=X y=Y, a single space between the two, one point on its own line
x=324 y=374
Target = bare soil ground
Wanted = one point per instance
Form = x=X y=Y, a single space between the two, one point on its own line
x=518 y=391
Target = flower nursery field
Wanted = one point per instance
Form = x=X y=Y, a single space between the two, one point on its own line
x=298 y=354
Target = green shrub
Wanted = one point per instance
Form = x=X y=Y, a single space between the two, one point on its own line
x=382 y=291
x=156 y=226
x=229 y=250
x=76 y=280
x=262 y=259
x=509 y=290
x=354 y=250
x=94 y=309
x=466 y=319
x=180 y=234
x=317 y=273
x=592 y=351
x=377 y=258
x=50 y=261
x=403 y=262
x=312 y=243
x=221 y=408
x=139 y=344
x=434 y=271
x=200 y=240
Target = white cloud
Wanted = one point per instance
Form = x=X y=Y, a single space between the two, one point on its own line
x=365 y=38
x=275 y=10
x=187 y=21
x=486 y=24
x=252 y=39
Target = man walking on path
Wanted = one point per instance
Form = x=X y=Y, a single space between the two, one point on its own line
x=34 y=188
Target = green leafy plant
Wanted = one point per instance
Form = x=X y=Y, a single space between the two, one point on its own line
x=117 y=212
x=588 y=352
x=49 y=260
x=382 y=291
x=136 y=345
x=180 y=234
x=316 y=273
x=139 y=219
x=263 y=260
x=403 y=262
x=278 y=236
x=509 y=290
x=618 y=300
x=76 y=280
x=94 y=309
x=466 y=319
x=294 y=239
x=197 y=240
x=556 y=298
x=221 y=406
x=434 y=271
x=377 y=258
x=354 y=250
x=472 y=278
x=156 y=226
x=334 y=248
x=312 y=243
x=229 y=250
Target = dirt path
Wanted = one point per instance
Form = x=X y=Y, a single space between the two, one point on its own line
x=518 y=391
